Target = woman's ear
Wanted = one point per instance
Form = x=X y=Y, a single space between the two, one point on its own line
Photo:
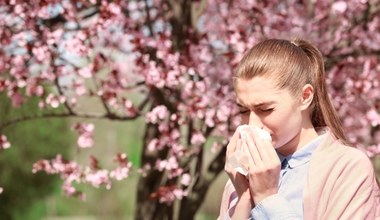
x=307 y=96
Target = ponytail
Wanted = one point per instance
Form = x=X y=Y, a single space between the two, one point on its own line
x=323 y=112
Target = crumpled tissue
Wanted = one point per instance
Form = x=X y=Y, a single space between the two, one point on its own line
x=239 y=159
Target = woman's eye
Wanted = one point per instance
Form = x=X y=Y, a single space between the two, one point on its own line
x=243 y=111
x=267 y=110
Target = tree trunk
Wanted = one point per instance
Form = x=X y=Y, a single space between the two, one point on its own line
x=191 y=204
x=147 y=208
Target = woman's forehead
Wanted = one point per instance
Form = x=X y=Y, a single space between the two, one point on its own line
x=256 y=85
x=258 y=91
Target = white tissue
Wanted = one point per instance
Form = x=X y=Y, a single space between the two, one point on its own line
x=263 y=134
x=239 y=159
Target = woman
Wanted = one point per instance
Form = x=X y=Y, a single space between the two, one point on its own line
x=307 y=170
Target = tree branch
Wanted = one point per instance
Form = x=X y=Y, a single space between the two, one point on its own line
x=60 y=91
x=148 y=18
x=197 y=9
x=66 y=115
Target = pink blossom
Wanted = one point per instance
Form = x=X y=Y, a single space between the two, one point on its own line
x=113 y=8
x=98 y=178
x=169 y=164
x=18 y=61
x=44 y=12
x=161 y=164
x=54 y=101
x=85 y=131
x=175 y=134
x=41 y=104
x=373 y=150
x=154 y=76
x=167 y=194
x=374 y=117
x=80 y=88
x=170 y=196
x=73 y=101
x=339 y=7
x=84 y=127
x=130 y=109
x=70 y=190
x=179 y=193
x=175 y=173
x=122 y=171
x=1 y=190
x=85 y=140
x=223 y=113
x=71 y=173
x=40 y=53
x=20 y=38
x=178 y=150
x=185 y=179
x=197 y=139
x=210 y=113
x=55 y=36
x=157 y=114
x=33 y=89
x=76 y=46
x=4 y=83
x=153 y=145
x=4 y=143
x=144 y=170
x=85 y=72
x=43 y=165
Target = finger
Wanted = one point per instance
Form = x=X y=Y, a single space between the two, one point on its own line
x=253 y=150
x=233 y=144
x=232 y=157
x=263 y=146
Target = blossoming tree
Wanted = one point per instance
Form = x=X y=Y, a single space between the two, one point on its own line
x=176 y=57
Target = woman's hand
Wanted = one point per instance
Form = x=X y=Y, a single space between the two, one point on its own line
x=264 y=166
x=239 y=181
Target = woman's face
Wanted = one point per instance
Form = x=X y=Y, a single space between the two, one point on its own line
x=275 y=110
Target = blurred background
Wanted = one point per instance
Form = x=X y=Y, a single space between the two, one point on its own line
x=39 y=196
x=89 y=79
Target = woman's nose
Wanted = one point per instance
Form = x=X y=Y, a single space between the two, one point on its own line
x=254 y=120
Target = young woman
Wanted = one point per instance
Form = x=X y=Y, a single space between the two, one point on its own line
x=307 y=170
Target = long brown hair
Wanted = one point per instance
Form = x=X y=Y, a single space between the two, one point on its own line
x=293 y=64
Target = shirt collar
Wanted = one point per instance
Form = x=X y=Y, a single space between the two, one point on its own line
x=302 y=155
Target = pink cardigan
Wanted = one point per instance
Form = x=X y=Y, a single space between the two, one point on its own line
x=341 y=184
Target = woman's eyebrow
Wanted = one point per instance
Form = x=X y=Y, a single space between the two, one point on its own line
x=263 y=103
x=260 y=104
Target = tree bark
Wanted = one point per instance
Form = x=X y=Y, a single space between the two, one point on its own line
x=191 y=204
x=147 y=208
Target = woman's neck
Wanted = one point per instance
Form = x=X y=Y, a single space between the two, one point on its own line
x=305 y=136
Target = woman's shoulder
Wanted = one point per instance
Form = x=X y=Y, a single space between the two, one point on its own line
x=341 y=157
x=354 y=155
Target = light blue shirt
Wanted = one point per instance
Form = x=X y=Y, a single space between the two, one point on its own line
x=288 y=202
